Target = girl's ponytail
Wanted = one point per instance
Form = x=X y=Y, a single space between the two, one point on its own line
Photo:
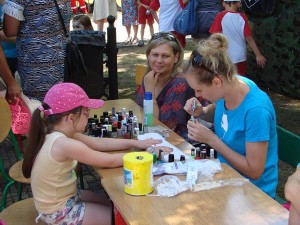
x=37 y=133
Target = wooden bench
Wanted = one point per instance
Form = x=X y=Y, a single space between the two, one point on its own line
x=288 y=150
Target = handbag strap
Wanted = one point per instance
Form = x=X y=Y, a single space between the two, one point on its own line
x=61 y=19
x=67 y=35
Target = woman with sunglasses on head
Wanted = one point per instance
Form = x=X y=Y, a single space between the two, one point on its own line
x=169 y=87
x=244 y=118
x=56 y=144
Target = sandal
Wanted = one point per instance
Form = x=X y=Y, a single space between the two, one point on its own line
x=134 y=41
x=128 y=40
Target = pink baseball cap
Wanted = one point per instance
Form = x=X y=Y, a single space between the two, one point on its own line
x=63 y=97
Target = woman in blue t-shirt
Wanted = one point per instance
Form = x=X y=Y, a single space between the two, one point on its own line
x=244 y=118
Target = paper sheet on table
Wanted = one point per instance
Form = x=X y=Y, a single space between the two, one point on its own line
x=176 y=151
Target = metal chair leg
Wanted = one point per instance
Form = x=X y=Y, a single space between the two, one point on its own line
x=81 y=177
x=19 y=185
x=4 y=195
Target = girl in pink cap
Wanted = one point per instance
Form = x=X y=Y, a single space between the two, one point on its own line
x=56 y=144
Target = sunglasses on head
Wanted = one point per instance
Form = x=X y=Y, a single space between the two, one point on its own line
x=197 y=62
x=165 y=35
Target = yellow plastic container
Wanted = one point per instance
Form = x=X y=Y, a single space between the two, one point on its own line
x=138 y=178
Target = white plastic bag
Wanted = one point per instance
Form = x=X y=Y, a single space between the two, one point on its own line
x=169 y=186
x=212 y=184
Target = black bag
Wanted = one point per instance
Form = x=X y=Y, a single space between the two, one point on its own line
x=207 y=10
x=186 y=21
x=73 y=61
x=86 y=67
x=84 y=59
x=258 y=7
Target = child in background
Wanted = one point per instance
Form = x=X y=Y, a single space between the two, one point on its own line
x=237 y=30
x=82 y=22
x=145 y=15
x=81 y=5
x=56 y=144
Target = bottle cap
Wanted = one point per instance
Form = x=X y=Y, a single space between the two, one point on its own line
x=182 y=158
x=154 y=157
x=171 y=157
x=105 y=114
x=140 y=127
x=91 y=120
x=148 y=95
x=160 y=155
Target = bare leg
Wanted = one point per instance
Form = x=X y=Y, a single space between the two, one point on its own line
x=135 y=30
x=128 y=29
x=151 y=29
x=154 y=14
x=96 y=214
x=142 y=31
x=294 y=217
x=98 y=209
x=89 y=196
x=100 y=24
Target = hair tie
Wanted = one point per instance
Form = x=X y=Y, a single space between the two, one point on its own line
x=41 y=108
x=47 y=112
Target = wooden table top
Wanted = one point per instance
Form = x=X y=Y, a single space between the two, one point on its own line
x=239 y=205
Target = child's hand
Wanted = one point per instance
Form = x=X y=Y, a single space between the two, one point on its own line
x=261 y=60
x=144 y=144
x=166 y=150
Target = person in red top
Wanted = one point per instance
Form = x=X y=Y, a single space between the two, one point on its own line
x=145 y=16
x=234 y=25
x=169 y=9
x=81 y=5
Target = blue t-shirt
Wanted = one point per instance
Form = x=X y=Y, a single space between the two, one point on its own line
x=254 y=120
x=9 y=48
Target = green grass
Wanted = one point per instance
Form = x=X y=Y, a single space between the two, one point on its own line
x=128 y=57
